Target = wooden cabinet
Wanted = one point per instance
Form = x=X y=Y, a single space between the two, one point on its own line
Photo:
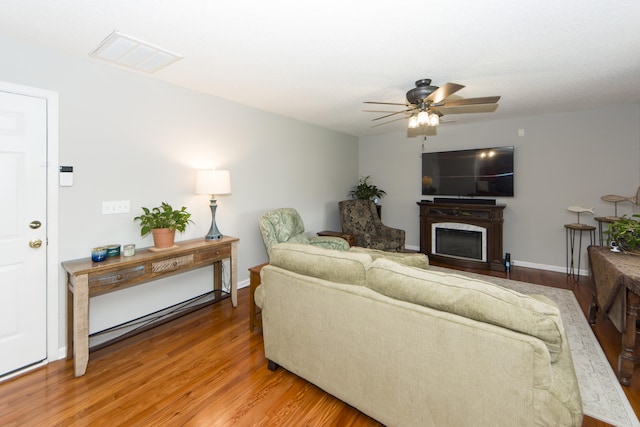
x=486 y=217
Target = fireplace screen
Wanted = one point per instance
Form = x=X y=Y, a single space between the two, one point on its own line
x=463 y=241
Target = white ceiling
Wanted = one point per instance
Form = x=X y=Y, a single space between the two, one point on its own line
x=318 y=61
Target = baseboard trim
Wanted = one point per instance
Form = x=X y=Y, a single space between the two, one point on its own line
x=555 y=268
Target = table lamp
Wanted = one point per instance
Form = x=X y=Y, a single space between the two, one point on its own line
x=213 y=182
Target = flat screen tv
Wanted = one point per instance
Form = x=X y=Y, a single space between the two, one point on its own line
x=468 y=173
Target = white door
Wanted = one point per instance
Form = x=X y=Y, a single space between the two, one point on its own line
x=23 y=224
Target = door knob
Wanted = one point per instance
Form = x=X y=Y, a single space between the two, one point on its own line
x=35 y=243
x=35 y=224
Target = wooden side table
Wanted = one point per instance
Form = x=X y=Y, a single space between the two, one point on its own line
x=350 y=238
x=254 y=282
x=570 y=231
x=605 y=220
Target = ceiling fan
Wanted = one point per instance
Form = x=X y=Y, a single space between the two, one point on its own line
x=426 y=104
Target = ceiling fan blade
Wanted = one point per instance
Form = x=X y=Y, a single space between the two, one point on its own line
x=392 y=114
x=378 y=111
x=387 y=122
x=466 y=109
x=443 y=92
x=469 y=101
x=384 y=103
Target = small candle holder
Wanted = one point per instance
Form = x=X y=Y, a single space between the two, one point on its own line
x=129 y=250
x=98 y=254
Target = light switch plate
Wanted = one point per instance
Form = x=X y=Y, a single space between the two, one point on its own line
x=115 y=207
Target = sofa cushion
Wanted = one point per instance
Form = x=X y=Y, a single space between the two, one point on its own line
x=411 y=259
x=471 y=298
x=328 y=264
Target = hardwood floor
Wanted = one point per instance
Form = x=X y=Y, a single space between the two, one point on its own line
x=207 y=369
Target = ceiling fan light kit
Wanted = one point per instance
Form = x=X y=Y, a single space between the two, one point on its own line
x=425 y=101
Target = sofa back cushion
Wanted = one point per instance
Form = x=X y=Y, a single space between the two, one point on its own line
x=328 y=264
x=471 y=298
x=410 y=259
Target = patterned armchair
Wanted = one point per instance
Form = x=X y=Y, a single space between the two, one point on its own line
x=359 y=217
x=285 y=225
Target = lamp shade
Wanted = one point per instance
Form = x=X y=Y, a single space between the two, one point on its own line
x=213 y=182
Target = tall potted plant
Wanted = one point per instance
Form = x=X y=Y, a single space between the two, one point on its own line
x=366 y=191
x=162 y=222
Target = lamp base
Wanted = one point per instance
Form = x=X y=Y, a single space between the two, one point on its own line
x=214 y=233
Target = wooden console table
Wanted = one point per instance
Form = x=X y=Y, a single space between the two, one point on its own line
x=489 y=217
x=86 y=279
x=616 y=293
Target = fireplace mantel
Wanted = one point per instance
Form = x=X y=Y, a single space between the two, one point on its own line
x=488 y=217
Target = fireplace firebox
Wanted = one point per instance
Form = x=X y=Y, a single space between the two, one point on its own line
x=462 y=241
x=467 y=235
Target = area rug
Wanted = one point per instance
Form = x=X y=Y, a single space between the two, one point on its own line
x=602 y=395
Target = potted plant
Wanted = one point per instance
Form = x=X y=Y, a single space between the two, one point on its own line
x=625 y=232
x=366 y=191
x=162 y=222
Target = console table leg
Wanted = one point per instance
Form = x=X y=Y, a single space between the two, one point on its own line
x=69 y=317
x=217 y=275
x=233 y=275
x=81 y=324
x=627 y=358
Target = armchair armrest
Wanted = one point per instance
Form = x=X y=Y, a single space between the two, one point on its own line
x=329 y=242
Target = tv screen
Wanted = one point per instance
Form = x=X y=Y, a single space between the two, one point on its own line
x=468 y=173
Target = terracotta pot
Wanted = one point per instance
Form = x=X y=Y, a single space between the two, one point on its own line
x=163 y=237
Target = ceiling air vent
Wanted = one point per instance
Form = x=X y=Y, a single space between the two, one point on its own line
x=129 y=52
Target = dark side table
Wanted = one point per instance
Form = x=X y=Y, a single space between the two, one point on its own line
x=254 y=282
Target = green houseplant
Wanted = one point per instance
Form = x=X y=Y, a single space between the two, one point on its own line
x=162 y=222
x=366 y=191
x=626 y=232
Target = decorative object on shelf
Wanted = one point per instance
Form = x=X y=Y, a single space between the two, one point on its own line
x=578 y=210
x=213 y=182
x=162 y=222
x=615 y=199
x=366 y=191
x=129 y=250
x=625 y=233
x=99 y=254
x=113 y=250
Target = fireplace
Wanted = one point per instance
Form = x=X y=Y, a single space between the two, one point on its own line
x=461 y=234
x=457 y=240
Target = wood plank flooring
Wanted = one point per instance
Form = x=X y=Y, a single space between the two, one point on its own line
x=207 y=369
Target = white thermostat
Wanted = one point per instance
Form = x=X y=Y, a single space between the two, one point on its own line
x=66 y=176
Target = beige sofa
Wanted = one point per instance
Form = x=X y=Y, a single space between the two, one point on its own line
x=413 y=347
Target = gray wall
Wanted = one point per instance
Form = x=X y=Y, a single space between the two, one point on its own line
x=132 y=137
x=562 y=160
